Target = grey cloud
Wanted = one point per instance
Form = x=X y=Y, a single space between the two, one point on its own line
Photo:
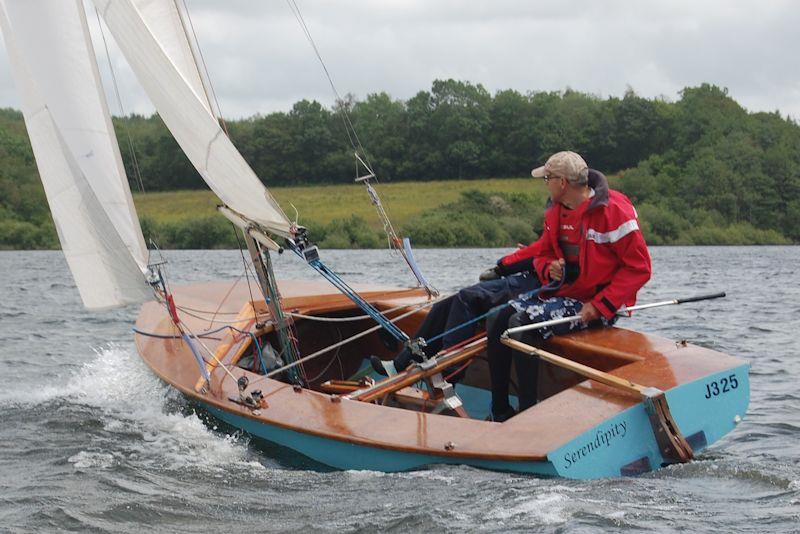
x=260 y=61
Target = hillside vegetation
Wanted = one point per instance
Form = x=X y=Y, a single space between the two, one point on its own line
x=701 y=170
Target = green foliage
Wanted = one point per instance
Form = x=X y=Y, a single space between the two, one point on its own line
x=347 y=233
x=194 y=233
x=25 y=235
x=479 y=219
x=700 y=170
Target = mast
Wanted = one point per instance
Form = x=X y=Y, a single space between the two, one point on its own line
x=259 y=245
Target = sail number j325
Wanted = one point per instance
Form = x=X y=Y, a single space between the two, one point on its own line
x=723 y=385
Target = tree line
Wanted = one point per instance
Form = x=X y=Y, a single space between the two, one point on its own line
x=700 y=166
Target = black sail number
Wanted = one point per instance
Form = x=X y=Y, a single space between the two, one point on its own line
x=723 y=385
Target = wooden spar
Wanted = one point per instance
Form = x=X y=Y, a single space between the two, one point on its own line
x=584 y=370
x=673 y=445
x=249 y=229
x=244 y=322
x=415 y=373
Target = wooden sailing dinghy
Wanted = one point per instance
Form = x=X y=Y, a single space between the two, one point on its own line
x=284 y=360
x=579 y=429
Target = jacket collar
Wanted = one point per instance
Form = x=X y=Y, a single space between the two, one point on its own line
x=598 y=182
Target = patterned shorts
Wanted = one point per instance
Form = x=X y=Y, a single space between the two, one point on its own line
x=535 y=310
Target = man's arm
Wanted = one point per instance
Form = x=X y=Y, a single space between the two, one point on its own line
x=521 y=260
x=633 y=273
x=547 y=255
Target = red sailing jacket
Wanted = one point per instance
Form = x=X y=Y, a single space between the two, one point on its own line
x=613 y=259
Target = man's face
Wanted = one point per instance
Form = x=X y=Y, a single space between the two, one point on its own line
x=556 y=185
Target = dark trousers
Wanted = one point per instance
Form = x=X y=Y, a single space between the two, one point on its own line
x=468 y=303
x=500 y=358
x=522 y=312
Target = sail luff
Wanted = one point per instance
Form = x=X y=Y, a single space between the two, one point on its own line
x=135 y=241
x=165 y=20
x=194 y=128
x=197 y=56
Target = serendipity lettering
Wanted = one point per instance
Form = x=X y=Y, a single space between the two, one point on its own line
x=602 y=438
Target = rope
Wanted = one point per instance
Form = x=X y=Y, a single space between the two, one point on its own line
x=342 y=286
x=193 y=312
x=134 y=160
x=203 y=63
x=246 y=273
x=358 y=147
x=330 y=363
x=348 y=125
x=344 y=319
x=344 y=342
x=206 y=334
x=214 y=356
x=550 y=287
x=287 y=337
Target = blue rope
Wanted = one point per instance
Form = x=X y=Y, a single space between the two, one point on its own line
x=467 y=323
x=350 y=293
x=550 y=287
x=206 y=334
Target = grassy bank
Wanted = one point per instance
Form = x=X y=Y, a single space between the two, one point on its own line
x=342 y=216
x=458 y=213
x=322 y=204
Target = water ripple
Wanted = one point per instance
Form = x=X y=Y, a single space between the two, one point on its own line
x=92 y=441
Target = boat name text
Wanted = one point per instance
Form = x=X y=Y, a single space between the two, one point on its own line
x=602 y=437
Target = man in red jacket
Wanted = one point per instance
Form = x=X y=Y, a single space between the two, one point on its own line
x=592 y=244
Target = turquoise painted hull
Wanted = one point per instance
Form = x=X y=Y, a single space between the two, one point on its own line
x=705 y=410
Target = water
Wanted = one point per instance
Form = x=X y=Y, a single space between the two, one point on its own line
x=92 y=441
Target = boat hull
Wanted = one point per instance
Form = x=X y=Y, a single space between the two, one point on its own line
x=622 y=445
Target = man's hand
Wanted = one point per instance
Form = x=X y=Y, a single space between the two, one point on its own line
x=489 y=274
x=589 y=313
x=556 y=271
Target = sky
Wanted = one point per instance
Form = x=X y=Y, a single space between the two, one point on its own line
x=260 y=61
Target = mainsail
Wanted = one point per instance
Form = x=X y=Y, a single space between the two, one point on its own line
x=167 y=23
x=73 y=140
x=188 y=118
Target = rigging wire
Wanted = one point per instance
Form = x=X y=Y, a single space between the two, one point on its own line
x=348 y=124
x=194 y=312
x=202 y=62
x=134 y=159
x=394 y=241
x=334 y=358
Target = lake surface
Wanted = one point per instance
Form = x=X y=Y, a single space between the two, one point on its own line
x=91 y=441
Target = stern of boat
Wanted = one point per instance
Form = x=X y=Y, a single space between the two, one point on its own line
x=704 y=410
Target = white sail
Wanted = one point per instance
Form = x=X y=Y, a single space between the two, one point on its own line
x=75 y=149
x=182 y=110
x=167 y=24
